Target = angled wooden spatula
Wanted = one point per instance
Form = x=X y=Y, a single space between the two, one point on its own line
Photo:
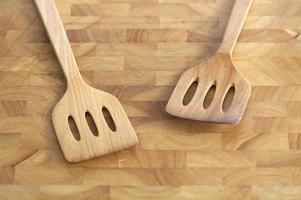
x=82 y=101
x=221 y=93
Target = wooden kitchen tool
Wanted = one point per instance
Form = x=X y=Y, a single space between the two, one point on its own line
x=82 y=102
x=221 y=93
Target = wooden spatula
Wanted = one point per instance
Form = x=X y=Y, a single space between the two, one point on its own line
x=221 y=93
x=81 y=102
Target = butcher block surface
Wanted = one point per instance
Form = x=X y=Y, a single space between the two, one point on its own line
x=137 y=50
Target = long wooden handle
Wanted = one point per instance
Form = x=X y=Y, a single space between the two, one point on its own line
x=235 y=24
x=58 y=38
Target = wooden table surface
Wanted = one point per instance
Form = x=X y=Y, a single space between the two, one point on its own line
x=137 y=49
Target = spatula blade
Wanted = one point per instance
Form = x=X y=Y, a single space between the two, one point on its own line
x=75 y=104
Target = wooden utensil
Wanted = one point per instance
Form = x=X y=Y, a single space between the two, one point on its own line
x=222 y=93
x=81 y=102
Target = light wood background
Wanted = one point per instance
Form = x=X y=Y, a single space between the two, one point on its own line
x=137 y=49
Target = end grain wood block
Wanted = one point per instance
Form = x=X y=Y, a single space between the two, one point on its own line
x=137 y=50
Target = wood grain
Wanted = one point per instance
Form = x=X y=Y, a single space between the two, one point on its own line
x=175 y=159
x=79 y=119
x=214 y=91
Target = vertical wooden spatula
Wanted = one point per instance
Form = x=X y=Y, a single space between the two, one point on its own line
x=221 y=93
x=82 y=101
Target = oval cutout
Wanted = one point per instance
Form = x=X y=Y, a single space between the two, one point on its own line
x=91 y=123
x=190 y=92
x=228 y=100
x=108 y=117
x=73 y=128
x=209 y=96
